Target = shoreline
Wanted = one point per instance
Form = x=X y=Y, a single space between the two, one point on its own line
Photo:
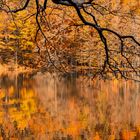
x=14 y=69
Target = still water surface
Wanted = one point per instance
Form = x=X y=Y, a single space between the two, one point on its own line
x=52 y=107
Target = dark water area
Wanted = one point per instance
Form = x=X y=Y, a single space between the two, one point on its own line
x=52 y=107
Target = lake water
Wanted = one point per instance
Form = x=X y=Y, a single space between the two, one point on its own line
x=52 y=107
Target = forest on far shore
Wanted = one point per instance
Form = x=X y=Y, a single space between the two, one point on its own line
x=69 y=36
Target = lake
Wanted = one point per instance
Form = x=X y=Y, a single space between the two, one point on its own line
x=54 y=107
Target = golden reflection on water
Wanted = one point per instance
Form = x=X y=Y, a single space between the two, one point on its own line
x=51 y=107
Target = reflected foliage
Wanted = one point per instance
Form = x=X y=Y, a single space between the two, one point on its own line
x=53 y=107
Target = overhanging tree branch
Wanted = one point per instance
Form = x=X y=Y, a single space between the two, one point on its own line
x=22 y=8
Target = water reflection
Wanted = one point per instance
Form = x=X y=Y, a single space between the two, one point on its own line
x=51 y=107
